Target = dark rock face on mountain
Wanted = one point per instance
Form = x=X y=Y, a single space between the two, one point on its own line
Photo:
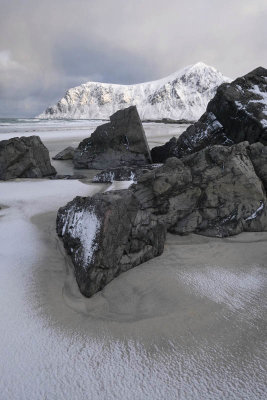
x=66 y=154
x=24 y=157
x=122 y=141
x=123 y=173
x=217 y=191
x=238 y=112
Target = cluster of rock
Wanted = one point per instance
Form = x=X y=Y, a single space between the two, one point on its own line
x=218 y=191
x=24 y=157
x=121 y=142
x=238 y=112
x=214 y=184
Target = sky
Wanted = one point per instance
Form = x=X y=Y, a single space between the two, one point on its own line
x=46 y=47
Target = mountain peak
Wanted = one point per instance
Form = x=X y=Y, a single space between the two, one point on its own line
x=181 y=95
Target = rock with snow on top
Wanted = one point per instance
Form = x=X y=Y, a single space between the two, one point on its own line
x=238 y=112
x=106 y=235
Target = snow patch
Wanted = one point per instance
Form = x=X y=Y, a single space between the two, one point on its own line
x=263 y=100
x=255 y=214
x=83 y=225
x=119 y=185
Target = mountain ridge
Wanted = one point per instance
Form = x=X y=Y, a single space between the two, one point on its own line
x=183 y=94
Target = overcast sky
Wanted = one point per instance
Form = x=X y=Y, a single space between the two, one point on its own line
x=49 y=46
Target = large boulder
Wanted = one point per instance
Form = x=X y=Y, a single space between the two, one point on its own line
x=106 y=235
x=214 y=192
x=24 y=157
x=122 y=141
x=237 y=113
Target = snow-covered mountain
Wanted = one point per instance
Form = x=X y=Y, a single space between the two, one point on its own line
x=182 y=95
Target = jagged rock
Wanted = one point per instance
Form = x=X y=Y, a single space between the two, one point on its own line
x=122 y=141
x=24 y=157
x=66 y=154
x=223 y=197
x=238 y=112
x=123 y=173
x=214 y=192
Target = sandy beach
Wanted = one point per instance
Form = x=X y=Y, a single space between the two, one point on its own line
x=190 y=324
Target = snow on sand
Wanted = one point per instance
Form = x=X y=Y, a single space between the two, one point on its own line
x=173 y=328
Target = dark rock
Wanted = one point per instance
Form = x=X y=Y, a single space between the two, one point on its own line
x=66 y=154
x=159 y=154
x=214 y=192
x=122 y=141
x=237 y=113
x=106 y=235
x=75 y=176
x=123 y=173
x=24 y=157
x=258 y=156
x=170 y=121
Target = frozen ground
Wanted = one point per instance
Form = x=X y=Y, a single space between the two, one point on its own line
x=190 y=324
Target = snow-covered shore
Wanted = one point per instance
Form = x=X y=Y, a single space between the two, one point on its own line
x=190 y=324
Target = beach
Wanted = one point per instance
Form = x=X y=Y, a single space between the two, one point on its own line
x=190 y=324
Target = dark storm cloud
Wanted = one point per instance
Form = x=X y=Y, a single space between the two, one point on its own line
x=100 y=63
x=47 y=47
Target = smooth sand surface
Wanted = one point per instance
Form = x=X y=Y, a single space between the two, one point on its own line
x=190 y=324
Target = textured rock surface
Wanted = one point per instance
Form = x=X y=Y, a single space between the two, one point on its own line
x=122 y=141
x=184 y=94
x=238 y=112
x=24 y=157
x=66 y=154
x=106 y=235
x=123 y=173
x=258 y=156
x=214 y=192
